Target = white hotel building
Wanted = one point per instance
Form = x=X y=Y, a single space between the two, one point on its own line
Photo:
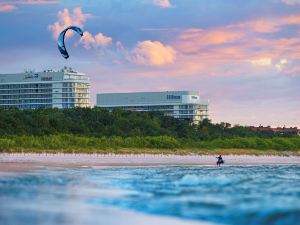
x=185 y=105
x=64 y=88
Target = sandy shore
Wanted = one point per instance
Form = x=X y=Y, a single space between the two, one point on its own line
x=20 y=162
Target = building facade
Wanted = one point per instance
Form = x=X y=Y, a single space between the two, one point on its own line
x=185 y=105
x=63 y=88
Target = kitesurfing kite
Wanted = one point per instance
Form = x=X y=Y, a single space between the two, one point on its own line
x=61 y=40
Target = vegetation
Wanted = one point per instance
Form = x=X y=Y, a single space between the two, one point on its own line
x=97 y=130
x=161 y=144
x=98 y=122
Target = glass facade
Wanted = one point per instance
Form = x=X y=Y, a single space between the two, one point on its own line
x=48 y=89
x=75 y=94
x=192 y=112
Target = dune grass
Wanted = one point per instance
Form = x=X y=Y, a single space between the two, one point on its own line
x=149 y=145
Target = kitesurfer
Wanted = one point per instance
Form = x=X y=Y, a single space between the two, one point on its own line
x=220 y=160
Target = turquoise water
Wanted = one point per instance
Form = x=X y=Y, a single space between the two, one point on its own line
x=222 y=195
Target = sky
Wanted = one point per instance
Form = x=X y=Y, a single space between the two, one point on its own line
x=242 y=56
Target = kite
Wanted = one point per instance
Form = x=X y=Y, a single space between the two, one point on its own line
x=61 y=40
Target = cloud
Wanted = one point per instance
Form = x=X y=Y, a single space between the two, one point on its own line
x=7 y=7
x=231 y=50
x=152 y=53
x=261 y=62
x=281 y=64
x=35 y=2
x=31 y=2
x=163 y=3
x=263 y=26
x=192 y=40
x=66 y=18
x=258 y=46
x=291 y=2
x=100 y=40
x=268 y=25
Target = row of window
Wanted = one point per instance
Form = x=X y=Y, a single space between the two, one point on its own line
x=142 y=108
x=76 y=100
x=25 y=96
x=29 y=106
x=72 y=105
x=193 y=106
x=41 y=85
x=75 y=85
x=22 y=101
x=25 y=91
x=190 y=117
x=186 y=112
x=17 y=86
x=165 y=107
x=184 y=117
x=76 y=95
x=43 y=100
x=21 y=91
x=75 y=90
x=167 y=111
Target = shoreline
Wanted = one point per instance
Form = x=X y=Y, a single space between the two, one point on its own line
x=18 y=162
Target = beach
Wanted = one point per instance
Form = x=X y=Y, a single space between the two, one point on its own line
x=19 y=161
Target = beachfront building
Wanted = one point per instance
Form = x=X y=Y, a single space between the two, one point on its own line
x=185 y=105
x=62 y=89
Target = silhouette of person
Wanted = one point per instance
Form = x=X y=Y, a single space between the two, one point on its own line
x=220 y=160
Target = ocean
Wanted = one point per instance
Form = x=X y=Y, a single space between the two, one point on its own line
x=152 y=195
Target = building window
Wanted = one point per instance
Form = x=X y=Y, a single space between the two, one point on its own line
x=173 y=97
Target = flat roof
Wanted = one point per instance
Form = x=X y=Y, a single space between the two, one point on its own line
x=44 y=76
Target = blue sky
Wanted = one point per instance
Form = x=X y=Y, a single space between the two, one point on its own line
x=244 y=56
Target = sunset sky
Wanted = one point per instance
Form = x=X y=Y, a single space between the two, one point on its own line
x=244 y=56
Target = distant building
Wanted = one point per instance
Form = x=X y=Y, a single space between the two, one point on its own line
x=185 y=105
x=281 y=130
x=65 y=88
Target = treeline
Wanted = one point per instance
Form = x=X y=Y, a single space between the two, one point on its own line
x=96 y=122
x=160 y=144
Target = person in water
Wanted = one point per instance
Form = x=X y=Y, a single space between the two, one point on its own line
x=220 y=160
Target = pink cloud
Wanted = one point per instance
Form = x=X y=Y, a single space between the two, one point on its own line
x=163 y=3
x=67 y=18
x=152 y=53
x=102 y=40
x=7 y=7
x=269 y=25
x=99 y=40
x=192 y=40
x=35 y=2
x=291 y=2
x=241 y=47
x=263 y=26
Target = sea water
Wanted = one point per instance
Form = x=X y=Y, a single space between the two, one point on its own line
x=217 y=195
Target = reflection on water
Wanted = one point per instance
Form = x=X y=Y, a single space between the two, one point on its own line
x=226 y=195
